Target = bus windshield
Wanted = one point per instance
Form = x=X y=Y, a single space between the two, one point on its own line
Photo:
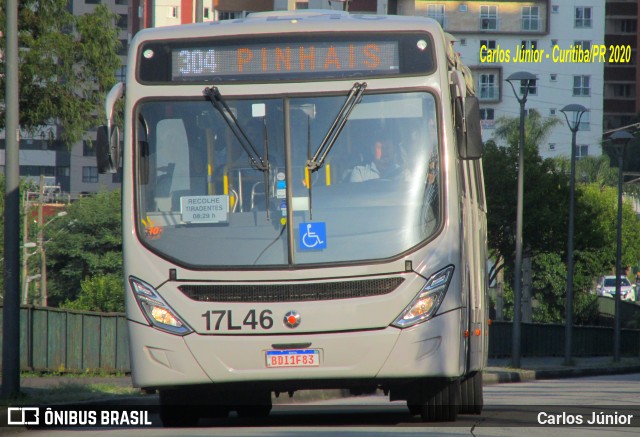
x=202 y=202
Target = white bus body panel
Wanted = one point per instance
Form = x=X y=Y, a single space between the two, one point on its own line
x=354 y=335
x=422 y=351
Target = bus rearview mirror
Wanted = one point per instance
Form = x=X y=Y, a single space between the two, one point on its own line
x=108 y=150
x=468 y=128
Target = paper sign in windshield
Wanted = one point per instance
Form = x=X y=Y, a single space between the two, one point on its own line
x=204 y=209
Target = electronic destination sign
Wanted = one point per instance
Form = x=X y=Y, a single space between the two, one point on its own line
x=291 y=58
x=279 y=57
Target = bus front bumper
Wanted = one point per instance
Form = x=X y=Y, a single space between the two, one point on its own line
x=430 y=349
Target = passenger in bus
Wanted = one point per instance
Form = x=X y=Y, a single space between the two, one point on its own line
x=383 y=164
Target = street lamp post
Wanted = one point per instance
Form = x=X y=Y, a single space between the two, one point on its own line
x=526 y=80
x=11 y=298
x=25 y=272
x=44 y=297
x=43 y=265
x=25 y=245
x=577 y=111
x=620 y=139
x=31 y=278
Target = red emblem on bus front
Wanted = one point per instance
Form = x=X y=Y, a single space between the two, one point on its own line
x=292 y=319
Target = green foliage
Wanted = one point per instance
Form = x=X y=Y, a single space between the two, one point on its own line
x=596 y=170
x=549 y=275
x=507 y=302
x=585 y=309
x=67 y=63
x=545 y=225
x=536 y=129
x=549 y=279
x=85 y=243
x=73 y=391
x=596 y=228
x=545 y=192
x=99 y=293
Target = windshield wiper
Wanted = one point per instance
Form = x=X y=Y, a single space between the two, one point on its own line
x=354 y=97
x=214 y=96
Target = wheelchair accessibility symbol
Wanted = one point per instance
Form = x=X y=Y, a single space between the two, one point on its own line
x=312 y=236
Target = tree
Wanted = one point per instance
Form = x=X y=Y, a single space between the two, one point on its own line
x=67 y=63
x=549 y=274
x=549 y=280
x=594 y=255
x=596 y=228
x=99 y=293
x=546 y=222
x=545 y=194
x=85 y=243
x=596 y=170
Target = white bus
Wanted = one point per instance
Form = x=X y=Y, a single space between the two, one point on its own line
x=303 y=208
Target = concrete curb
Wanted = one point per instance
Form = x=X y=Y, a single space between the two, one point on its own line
x=505 y=375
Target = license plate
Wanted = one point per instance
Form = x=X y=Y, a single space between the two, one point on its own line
x=293 y=358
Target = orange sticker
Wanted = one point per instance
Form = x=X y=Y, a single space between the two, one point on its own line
x=151 y=231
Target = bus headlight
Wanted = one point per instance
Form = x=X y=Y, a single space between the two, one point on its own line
x=427 y=302
x=157 y=312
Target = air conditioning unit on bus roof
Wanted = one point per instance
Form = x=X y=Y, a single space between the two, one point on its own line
x=296 y=13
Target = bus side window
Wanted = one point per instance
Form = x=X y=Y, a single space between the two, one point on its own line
x=144 y=164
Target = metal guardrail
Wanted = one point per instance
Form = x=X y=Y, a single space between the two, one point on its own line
x=540 y=340
x=53 y=339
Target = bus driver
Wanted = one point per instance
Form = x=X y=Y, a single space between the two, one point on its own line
x=383 y=165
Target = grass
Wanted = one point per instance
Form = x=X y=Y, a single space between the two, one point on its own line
x=62 y=371
x=69 y=390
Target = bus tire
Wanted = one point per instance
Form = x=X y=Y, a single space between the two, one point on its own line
x=471 y=394
x=414 y=409
x=254 y=410
x=256 y=405
x=438 y=402
x=175 y=410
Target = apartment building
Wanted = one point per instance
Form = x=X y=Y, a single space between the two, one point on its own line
x=621 y=94
x=545 y=37
x=536 y=27
x=485 y=31
x=152 y=13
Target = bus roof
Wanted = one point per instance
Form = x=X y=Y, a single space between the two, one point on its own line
x=286 y=22
x=296 y=13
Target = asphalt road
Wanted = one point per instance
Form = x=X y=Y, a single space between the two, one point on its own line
x=510 y=409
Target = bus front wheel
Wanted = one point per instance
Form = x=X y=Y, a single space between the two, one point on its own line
x=175 y=410
x=436 y=401
x=471 y=394
x=257 y=404
x=183 y=407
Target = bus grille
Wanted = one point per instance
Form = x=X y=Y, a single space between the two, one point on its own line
x=291 y=292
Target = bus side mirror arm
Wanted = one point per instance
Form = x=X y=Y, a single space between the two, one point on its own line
x=108 y=136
